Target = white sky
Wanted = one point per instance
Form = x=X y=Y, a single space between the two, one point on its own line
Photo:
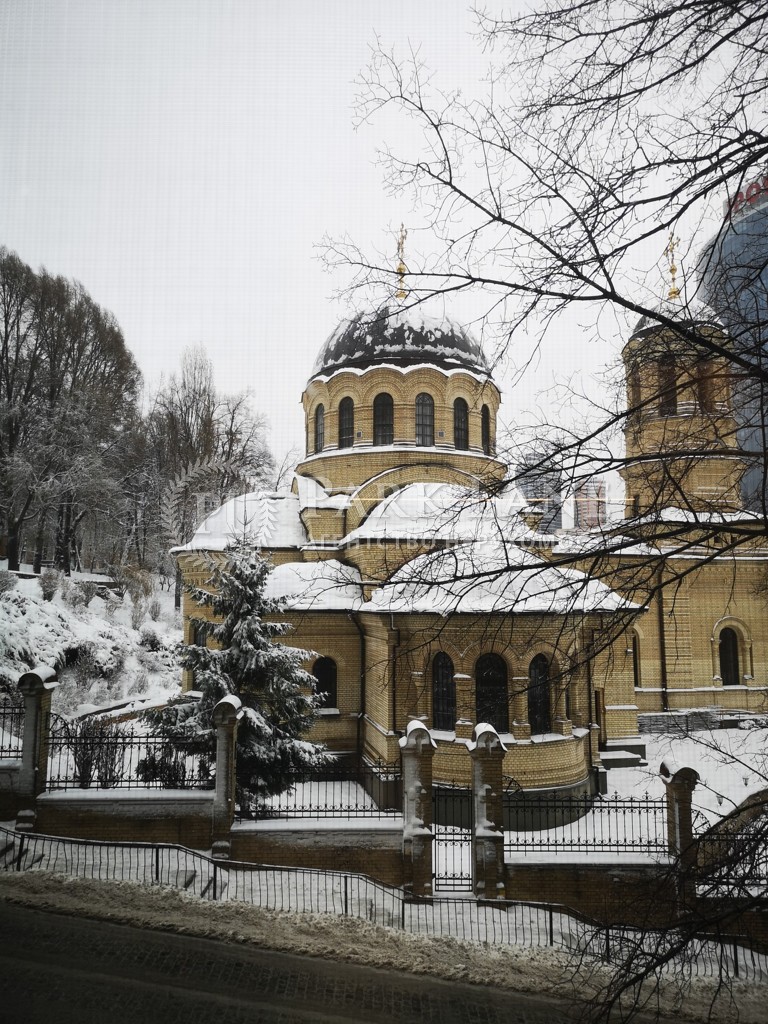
x=182 y=158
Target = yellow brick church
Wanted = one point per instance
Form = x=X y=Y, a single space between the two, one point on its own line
x=419 y=576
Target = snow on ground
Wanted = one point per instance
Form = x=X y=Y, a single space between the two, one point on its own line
x=515 y=968
x=34 y=631
x=732 y=765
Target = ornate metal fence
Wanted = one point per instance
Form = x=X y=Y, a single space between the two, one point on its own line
x=585 y=824
x=11 y=729
x=98 y=753
x=368 y=790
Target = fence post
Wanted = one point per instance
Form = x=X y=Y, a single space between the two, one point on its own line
x=417 y=748
x=226 y=715
x=37 y=686
x=680 y=783
x=487 y=753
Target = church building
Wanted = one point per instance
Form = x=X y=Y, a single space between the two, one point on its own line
x=427 y=585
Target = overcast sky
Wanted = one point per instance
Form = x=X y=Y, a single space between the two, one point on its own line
x=183 y=158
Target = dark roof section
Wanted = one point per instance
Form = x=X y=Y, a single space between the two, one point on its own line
x=401 y=336
x=694 y=314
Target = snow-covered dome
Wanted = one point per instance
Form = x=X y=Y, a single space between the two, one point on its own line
x=691 y=314
x=401 y=337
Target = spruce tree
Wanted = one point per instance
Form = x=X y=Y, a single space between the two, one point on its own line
x=248 y=660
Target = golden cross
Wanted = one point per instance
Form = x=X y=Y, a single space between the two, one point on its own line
x=401 y=267
x=669 y=252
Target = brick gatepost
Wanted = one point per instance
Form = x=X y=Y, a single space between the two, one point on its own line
x=487 y=753
x=680 y=783
x=417 y=749
x=226 y=716
x=37 y=686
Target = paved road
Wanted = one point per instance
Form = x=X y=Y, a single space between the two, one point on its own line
x=68 y=970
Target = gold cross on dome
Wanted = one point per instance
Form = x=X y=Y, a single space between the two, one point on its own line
x=669 y=252
x=401 y=267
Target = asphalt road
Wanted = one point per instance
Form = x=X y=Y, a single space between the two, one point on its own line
x=56 y=969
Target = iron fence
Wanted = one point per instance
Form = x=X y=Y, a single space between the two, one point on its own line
x=367 y=790
x=11 y=729
x=305 y=890
x=98 y=753
x=585 y=824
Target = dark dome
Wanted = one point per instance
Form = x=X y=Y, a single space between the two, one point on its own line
x=694 y=314
x=401 y=336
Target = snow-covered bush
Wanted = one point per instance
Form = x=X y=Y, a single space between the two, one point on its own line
x=154 y=608
x=86 y=668
x=88 y=589
x=8 y=581
x=111 y=604
x=138 y=613
x=149 y=639
x=71 y=594
x=140 y=682
x=50 y=580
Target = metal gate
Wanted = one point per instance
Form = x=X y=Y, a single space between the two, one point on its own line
x=452 y=844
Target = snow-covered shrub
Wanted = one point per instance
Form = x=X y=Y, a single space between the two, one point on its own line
x=112 y=661
x=148 y=659
x=96 y=752
x=8 y=581
x=140 y=682
x=154 y=608
x=149 y=639
x=71 y=594
x=138 y=613
x=50 y=579
x=88 y=589
x=111 y=604
x=86 y=668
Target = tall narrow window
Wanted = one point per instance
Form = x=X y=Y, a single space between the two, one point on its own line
x=485 y=428
x=667 y=386
x=443 y=693
x=636 y=661
x=729 y=657
x=346 y=423
x=705 y=385
x=491 y=701
x=460 y=424
x=319 y=428
x=383 y=419
x=538 y=694
x=324 y=671
x=633 y=390
x=425 y=420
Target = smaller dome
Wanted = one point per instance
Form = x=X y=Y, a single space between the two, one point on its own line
x=402 y=337
x=693 y=314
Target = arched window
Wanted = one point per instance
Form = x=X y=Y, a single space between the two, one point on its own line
x=491 y=701
x=346 y=423
x=485 y=428
x=637 y=678
x=319 y=428
x=199 y=634
x=425 y=420
x=443 y=693
x=383 y=419
x=460 y=424
x=324 y=671
x=667 y=386
x=538 y=694
x=633 y=390
x=729 y=657
x=705 y=385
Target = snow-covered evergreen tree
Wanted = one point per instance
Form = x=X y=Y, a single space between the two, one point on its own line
x=248 y=660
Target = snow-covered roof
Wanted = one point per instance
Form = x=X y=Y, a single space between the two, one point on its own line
x=446 y=512
x=313 y=495
x=316 y=586
x=402 y=336
x=268 y=519
x=487 y=577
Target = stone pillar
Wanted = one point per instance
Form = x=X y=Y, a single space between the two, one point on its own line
x=680 y=783
x=226 y=716
x=487 y=753
x=417 y=749
x=521 y=729
x=465 y=703
x=37 y=687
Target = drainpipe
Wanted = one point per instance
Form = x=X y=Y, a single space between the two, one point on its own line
x=395 y=634
x=361 y=714
x=662 y=642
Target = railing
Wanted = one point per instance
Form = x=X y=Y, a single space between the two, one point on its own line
x=370 y=790
x=585 y=824
x=97 y=753
x=304 y=890
x=11 y=730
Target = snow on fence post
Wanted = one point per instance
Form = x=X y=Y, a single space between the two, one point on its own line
x=226 y=715
x=417 y=748
x=37 y=687
x=487 y=753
